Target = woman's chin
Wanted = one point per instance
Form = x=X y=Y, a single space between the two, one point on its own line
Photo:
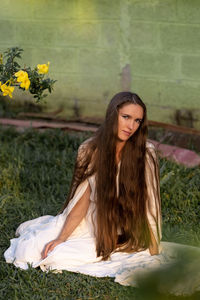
x=122 y=139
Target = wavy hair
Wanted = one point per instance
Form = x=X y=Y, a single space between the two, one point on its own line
x=121 y=209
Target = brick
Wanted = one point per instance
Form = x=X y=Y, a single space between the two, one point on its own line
x=98 y=61
x=102 y=87
x=65 y=104
x=62 y=60
x=7 y=32
x=153 y=10
x=160 y=113
x=167 y=95
x=93 y=109
x=97 y=88
x=188 y=11
x=149 y=92
x=51 y=10
x=86 y=109
x=143 y=35
x=77 y=34
x=57 y=34
x=62 y=9
x=36 y=33
x=166 y=114
x=153 y=64
x=26 y=56
x=109 y=35
x=190 y=66
x=147 y=89
x=65 y=91
x=65 y=87
x=33 y=10
x=5 y=9
x=180 y=38
x=180 y=94
x=91 y=91
x=92 y=94
x=22 y=9
x=96 y=9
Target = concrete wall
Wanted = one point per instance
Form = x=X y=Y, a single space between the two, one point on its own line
x=98 y=47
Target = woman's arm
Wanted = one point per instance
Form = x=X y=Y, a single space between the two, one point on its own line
x=74 y=218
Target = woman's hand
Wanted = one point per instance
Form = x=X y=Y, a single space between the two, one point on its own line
x=50 y=246
x=74 y=218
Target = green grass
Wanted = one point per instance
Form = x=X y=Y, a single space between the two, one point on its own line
x=35 y=172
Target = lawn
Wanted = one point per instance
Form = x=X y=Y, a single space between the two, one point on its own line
x=36 y=169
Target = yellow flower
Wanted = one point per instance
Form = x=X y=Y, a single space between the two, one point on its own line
x=20 y=73
x=43 y=69
x=7 y=90
x=21 y=76
x=25 y=83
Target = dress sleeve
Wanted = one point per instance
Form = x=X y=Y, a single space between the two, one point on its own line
x=153 y=193
x=78 y=194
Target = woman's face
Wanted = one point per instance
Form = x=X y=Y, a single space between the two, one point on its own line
x=129 y=118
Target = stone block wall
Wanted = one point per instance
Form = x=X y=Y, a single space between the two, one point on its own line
x=98 y=47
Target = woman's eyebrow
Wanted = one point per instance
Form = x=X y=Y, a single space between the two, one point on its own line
x=126 y=114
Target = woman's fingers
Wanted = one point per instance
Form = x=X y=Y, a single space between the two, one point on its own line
x=49 y=247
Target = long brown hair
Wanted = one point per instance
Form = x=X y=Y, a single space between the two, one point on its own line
x=121 y=213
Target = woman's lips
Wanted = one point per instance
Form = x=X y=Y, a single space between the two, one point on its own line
x=126 y=133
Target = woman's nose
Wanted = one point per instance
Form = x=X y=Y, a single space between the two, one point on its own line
x=131 y=125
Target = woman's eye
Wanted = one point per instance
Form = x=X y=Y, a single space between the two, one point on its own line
x=125 y=117
x=138 y=121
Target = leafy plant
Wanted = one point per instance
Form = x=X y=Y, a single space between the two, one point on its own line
x=13 y=75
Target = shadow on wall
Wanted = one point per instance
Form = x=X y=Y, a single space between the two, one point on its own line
x=185 y=117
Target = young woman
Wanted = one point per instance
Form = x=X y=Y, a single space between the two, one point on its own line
x=111 y=219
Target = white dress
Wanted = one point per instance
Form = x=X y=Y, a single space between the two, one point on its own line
x=78 y=252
